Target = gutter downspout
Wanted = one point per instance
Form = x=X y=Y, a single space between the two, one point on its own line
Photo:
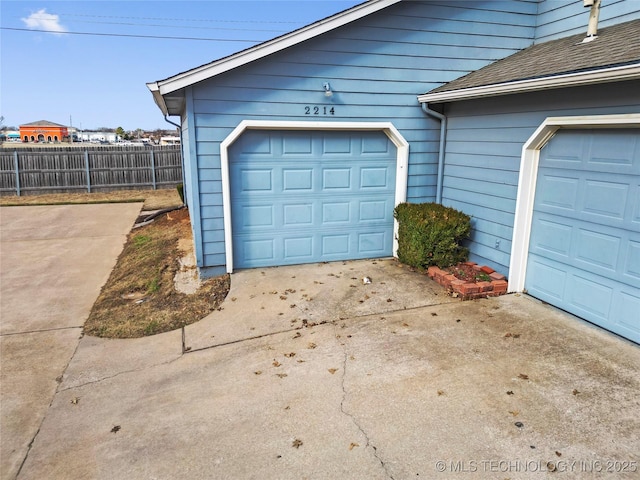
x=184 y=184
x=443 y=136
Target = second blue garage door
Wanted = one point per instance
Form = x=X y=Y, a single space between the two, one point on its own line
x=311 y=196
x=584 y=254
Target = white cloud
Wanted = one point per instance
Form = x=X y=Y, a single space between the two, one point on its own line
x=41 y=20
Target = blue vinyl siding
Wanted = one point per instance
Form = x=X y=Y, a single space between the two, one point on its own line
x=376 y=67
x=484 y=146
x=561 y=18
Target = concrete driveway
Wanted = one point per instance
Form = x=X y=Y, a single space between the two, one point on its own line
x=307 y=372
x=55 y=259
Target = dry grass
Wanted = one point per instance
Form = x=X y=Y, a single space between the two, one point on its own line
x=140 y=299
x=153 y=199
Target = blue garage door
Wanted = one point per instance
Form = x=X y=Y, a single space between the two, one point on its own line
x=584 y=253
x=310 y=196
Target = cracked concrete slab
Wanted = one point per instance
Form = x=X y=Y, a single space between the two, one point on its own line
x=31 y=364
x=278 y=299
x=55 y=259
x=308 y=372
x=384 y=395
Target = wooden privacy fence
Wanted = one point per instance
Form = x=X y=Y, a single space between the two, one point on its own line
x=25 y=171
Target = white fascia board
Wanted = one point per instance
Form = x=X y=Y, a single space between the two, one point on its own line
x=271 y=46
x=613 y=74
x=158 y=98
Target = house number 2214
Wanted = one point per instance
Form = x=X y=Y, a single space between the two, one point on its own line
x=319 y=110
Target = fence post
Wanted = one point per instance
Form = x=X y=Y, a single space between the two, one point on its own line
x=86 y=169
x=153 y=168
x=15 y=163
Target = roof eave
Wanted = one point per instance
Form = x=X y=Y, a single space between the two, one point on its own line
x=157 y=97
x=269 y=47
x=604 y=75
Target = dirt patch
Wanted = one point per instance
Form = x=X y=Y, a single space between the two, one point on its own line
x=140 y=298
x=468 y=273
x=153 y=199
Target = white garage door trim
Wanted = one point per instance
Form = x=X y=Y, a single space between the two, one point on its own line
x=529 y=174
x=402 y=147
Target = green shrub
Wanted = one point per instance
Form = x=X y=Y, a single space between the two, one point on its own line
x=180 y=188
x=430 y=234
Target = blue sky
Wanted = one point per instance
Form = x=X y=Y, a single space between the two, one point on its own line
x=86 y=63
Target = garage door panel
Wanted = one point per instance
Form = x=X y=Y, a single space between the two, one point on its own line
x=551 y=236
x=632 y=263
x=593 y=150
x=584 y=251
x=545 y=281
x=606 y=198
x=336 y=178
x=259 y=250
x=373 y=243
x=613 y=153
x=299 y=143
x=297 y=215
x=252 y=216
x=374 y=177
x=256 y=180
x=557 y=192
x=591 y=295
x=341 y=145
x=625 y=310
x=564 y=152
x=319 y=182
x=335 y=245
x=297 y=179
x=375 y=144
x=597 y=250
x=373 y=210
x=298 y=248
x=634 y=206
x=336 y=212
x=259 y=144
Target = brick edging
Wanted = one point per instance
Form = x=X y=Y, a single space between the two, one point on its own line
x=470 y=290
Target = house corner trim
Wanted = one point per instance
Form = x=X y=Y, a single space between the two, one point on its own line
x=528 y=178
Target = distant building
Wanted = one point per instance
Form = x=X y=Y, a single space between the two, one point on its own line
x=43 y=131
x=170 y=140
x=11 y=136
x=98 y=137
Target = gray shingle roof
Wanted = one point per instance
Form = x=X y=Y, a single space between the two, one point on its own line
x=42 y=123
x=615 y=46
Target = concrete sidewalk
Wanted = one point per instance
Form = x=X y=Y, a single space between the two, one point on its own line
x=307 y=372
x=55 y=259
